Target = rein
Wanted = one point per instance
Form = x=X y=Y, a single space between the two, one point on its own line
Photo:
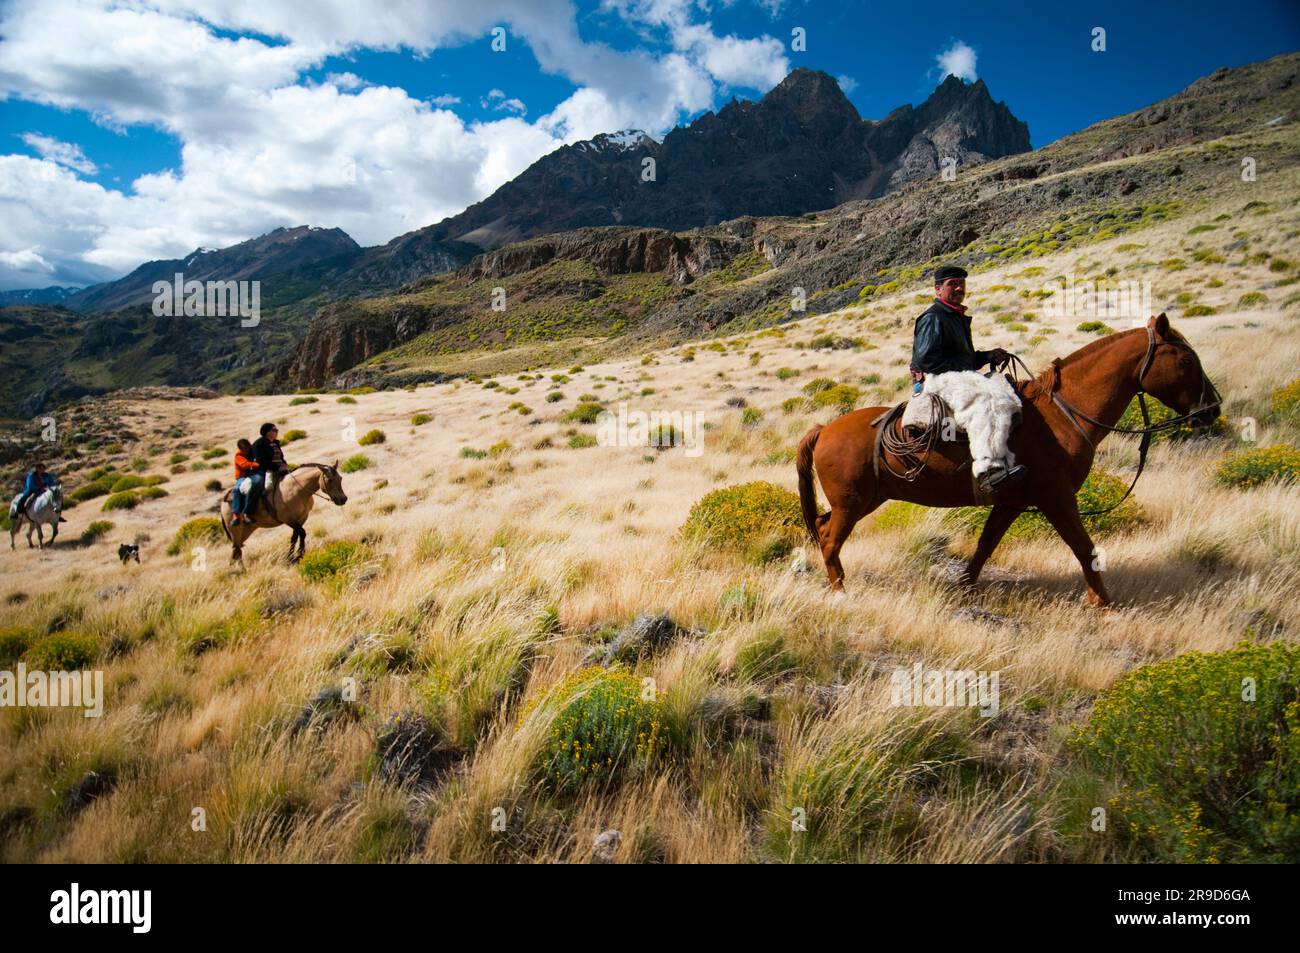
x=1147 y=430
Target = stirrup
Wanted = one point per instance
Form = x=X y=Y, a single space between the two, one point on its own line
x=1001 y=478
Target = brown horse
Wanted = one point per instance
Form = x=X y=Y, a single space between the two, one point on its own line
x=290 y=503
x=1067 y=410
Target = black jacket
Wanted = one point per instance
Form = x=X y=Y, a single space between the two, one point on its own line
x=942 y=342
x=269 y=456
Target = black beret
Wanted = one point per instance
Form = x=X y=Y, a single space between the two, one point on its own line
x=267 y=428
x=948 y=271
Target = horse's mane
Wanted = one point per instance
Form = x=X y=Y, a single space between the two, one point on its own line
x=1045 y=381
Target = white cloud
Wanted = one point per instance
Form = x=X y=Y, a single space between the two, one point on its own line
x=262 y=147
x=959 y=60
x=847 y=83
x=67 y=154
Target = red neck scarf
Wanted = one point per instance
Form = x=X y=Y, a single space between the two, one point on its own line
x=959 y=308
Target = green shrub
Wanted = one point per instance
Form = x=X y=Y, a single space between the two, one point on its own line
x=14 y=641
x=1099 y=490
x=121 y=501
x=332 y=561
x=584 y=413
x=470 y=453
x=785 y=373
x=372 y=437
x=129 y=482
x=419 y=420
x=94 y=530
x=1205 y=748
x=1199 y=311
x=605 y=730
x=751 y=416
x=345 y=399
x=293 y=436
x=582 y=441
x=62 y=652
x=195 y=532
x=355 y=463
x=554 y=396
x=1096 y=327
x=500 y=448
x=1131 y=419
x=213 y=486
x=213 y=452
x=95 y=488
x=759 y=520
x=151 y=492
x=1252 y=299
x=301 y=400
x=841 y=397
x=1250 y=468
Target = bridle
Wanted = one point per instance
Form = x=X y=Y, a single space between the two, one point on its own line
x=1209 y=400
x=321 y=467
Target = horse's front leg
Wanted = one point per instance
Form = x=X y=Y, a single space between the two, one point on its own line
x=40 y=535
x=1065 y=519
x=999 y=521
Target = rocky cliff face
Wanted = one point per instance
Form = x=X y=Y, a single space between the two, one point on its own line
x=346 y=333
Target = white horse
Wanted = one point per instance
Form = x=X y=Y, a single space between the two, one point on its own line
x=44 y=509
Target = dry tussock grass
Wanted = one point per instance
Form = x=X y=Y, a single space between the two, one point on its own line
x=487 y=582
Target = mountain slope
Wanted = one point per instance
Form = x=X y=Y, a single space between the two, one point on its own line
x=54 y=294
x=278 y=252
x=1118 y=176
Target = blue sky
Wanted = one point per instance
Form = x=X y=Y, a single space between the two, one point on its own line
x=146 y=129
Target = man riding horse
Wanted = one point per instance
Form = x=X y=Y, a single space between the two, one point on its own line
x=37 y=482
x=271 y=467
x=945 y=362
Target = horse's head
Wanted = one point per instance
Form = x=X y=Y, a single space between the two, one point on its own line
x=56 y=497
x=1171 y=372
x=332 y=484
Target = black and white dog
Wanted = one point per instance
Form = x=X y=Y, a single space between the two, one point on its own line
x=128 y=552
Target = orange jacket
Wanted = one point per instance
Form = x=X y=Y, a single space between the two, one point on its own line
x=244 y=466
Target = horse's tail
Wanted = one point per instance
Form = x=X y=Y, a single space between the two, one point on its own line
x=807 y=491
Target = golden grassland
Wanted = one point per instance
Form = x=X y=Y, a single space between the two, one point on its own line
x=481 y=584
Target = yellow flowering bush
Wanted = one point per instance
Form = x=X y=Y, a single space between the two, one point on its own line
x=1286 y=399
x=1206 y=749
x=607 y=726
x=1131 y=419
x=760 y=520
x=1099 y=491
x=1248 y=468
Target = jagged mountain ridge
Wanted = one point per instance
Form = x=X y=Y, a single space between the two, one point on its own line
x=801 y=148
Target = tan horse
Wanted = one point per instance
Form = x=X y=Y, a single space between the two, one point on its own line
x=290 y=500
x=1067 y=410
